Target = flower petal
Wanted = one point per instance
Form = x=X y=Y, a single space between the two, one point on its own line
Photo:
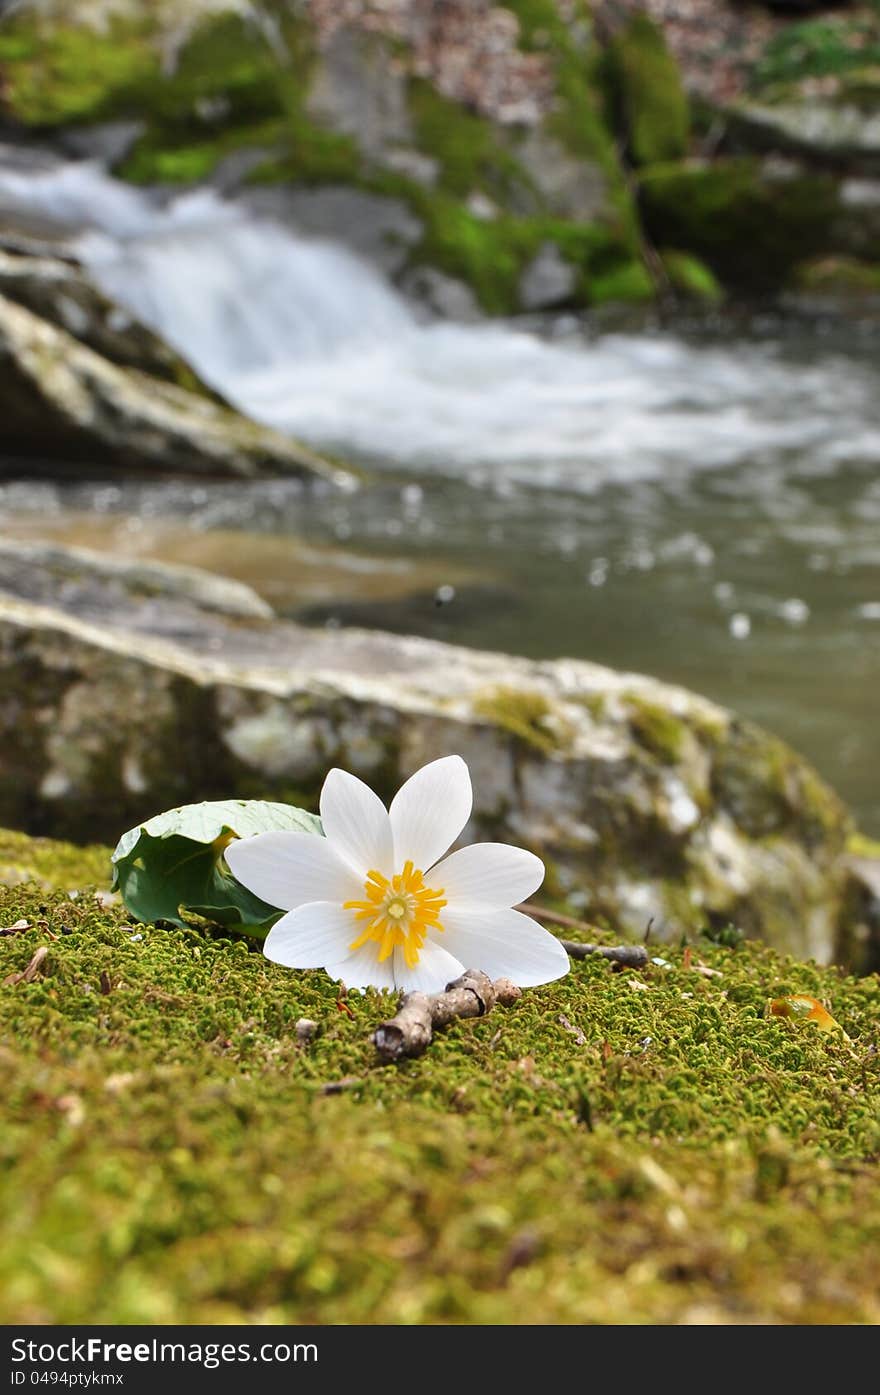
x=311 y=936
x=429 y=811
x=436 y=968
x=361 y=969
x=488 y=874
x=504 y=944
x=292 y=869
x=356 y=823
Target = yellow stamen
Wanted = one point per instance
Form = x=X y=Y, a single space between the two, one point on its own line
x=399 y=911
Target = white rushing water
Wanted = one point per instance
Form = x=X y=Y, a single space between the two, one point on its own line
x=303 y=335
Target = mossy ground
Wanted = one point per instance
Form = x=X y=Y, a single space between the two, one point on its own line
x=665 y=1153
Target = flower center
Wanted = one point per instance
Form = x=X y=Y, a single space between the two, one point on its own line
x=399 y=911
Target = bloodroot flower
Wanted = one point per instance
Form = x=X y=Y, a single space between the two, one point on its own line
x=374 y=905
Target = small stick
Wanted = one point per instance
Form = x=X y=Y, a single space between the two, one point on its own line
x=632 y=956
x=409 y=1032
x=556 y=917
x=29 y=974
x=629 y=956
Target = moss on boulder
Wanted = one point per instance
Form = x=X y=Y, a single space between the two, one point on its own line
x=647 y=96
x=750 y=222
x=649 y=1146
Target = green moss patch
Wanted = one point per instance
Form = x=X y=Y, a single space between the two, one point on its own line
x=642 y=1147
x=691 y=278
x=527 y=715
x=54 y=76
x=751 y=229
x=647 y=97
x=656 y=729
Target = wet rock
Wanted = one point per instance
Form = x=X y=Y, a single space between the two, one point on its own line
x=63 y=294
x=645 y=800
x=97 y=585
x=442 y=295
x=62 y=403
x=843 y=131
x=379 y=229
x=548 y=280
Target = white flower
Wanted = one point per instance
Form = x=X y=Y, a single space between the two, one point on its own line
x=373 y=904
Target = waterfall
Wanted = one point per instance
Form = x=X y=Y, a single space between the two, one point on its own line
x=300 y=333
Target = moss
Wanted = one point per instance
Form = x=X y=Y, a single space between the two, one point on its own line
x=858 y=845
x=750 y=229
x=656 y=729
x=627 y=283
x=169 y=1152
x=830 y=46
x=54 y=76
x=648 y=99
x=469 y=150
x=528 y=715
x=767 y=788
x=838 y=276
x=578 y=118
x=691 y=278
x=50 y=863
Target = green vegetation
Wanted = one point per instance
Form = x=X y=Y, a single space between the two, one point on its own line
x=171 y=1153
x=766 y=787
x=751 y=229
x=839 y=276
x=54 y=76
x=826 y=47
x=527 y=715
x=656 y=729
x=647 y=98
x=690 y=277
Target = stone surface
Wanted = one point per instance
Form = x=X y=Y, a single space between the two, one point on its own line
x=379 y=229
x=63 y=294
x=647 y=802
x=840 y=132
x=62 y=403
x=548 y=280
x=442 y=295
x=94 y=585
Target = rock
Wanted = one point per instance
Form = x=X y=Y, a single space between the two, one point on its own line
x=838 y=132
x=357 y=91
x=62 y=403
x=646 y=801
x=63 y=294
x=379 y=229
x=861 y=947
x=169 y=597
x=548 y=280
x=443 y=295
x=568 y=185
x=750 y=220
x=650 y=104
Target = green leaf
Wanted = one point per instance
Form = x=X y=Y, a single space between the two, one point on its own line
x=174 y=862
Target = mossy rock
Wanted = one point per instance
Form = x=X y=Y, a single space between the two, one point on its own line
x=691 y=278
x=172 y=1153
x=839 y=276
x=750 y=225
x=646 y=94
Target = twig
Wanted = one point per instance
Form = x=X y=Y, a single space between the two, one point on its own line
x=628 y=956
x=572 y=1030
x=555 y=917
x=29 y=974
x=409 y=1032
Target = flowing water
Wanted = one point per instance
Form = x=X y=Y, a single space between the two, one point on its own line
x=704 y=509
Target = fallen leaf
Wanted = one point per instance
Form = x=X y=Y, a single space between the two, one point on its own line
x=637 y=983
x=805 y=1009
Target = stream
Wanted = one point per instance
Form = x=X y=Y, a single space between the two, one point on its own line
x=702 y=508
